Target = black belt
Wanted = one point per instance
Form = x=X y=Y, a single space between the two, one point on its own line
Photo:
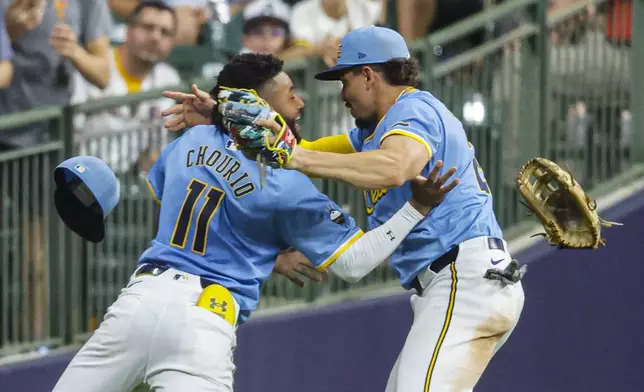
x=157 y=268
x=450 y=256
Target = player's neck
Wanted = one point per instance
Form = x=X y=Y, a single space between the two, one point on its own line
x=134 y=68
x=387 y=99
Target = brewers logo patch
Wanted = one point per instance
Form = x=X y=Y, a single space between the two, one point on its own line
x=401 y=124
x=336 y=216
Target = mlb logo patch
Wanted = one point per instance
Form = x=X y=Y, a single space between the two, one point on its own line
x=80 y=168
x=230 y=145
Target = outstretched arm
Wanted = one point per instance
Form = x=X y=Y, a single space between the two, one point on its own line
x=401 y=157
x=339 y=144
x=398 y=160
x=194 y=109
x=322 y=233
x=377 y=245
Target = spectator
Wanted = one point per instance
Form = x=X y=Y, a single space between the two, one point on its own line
x=45 y=40
x=266 y=28
x=191 y=16
x=415 y=17
x=77 y=32
x=320 y=24
x=136 y=65
x=6 y=67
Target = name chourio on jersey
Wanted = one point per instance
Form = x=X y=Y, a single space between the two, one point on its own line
x=225 y=165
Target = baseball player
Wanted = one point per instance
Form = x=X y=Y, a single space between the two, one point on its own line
x=218 y=237
x=468 y=295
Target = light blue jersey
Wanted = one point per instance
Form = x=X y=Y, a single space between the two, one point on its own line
x=467 y=210
x=217 y=223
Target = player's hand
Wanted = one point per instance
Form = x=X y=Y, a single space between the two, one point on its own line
x=429 y=192
x=270 y=124
x=191 y=109
x=292 y=264
x=286 y=142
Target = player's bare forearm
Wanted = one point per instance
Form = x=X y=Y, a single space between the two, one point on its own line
x=93 y=62
x=368 y=170
x=399 y=159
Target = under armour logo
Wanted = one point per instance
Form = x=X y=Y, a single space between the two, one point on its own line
x=214 y=304
x=361 y=55
x=391 y=235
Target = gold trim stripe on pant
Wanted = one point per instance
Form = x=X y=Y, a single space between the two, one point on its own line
x=446 y=323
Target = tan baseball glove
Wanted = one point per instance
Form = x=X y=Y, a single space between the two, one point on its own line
x=566 y=212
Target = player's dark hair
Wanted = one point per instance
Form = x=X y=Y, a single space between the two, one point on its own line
x=398 y=72
x=247 y=70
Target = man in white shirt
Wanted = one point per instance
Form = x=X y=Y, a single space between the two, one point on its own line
x=191 y=16
x=118 y=135
x=322 y=23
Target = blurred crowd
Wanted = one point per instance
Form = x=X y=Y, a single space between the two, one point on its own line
x=60 y=52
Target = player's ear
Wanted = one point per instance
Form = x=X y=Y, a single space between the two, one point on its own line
x=368 y=74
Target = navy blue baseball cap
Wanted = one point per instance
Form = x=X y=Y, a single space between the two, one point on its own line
x=86 y=192
x=366 y=45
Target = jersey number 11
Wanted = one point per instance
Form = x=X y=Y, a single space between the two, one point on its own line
x=214 y=196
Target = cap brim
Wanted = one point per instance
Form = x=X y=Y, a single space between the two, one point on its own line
x=264 y=18
x=333 y=73
x=80 y=219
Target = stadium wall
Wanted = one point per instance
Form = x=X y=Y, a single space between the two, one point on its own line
x=580 y=331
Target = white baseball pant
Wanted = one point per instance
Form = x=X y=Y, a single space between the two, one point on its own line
x=154 y=332
x=460 y=321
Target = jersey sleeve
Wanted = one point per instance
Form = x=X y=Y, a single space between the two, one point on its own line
x=414 y=119
x=156 y=175
x=156 y=178
x=356 y=139
x=340 y=144
x=313 y=224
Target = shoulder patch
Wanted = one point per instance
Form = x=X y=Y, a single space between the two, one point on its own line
x=400 y=123
x=336 y=216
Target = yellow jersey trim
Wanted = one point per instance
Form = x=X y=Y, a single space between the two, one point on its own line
x=154 y=195
x=410 y=135
x=351 y=143
x=446 y=323
x=407 y=89
x=340 y=250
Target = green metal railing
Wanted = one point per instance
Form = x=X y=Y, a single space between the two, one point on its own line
x=518 y=94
